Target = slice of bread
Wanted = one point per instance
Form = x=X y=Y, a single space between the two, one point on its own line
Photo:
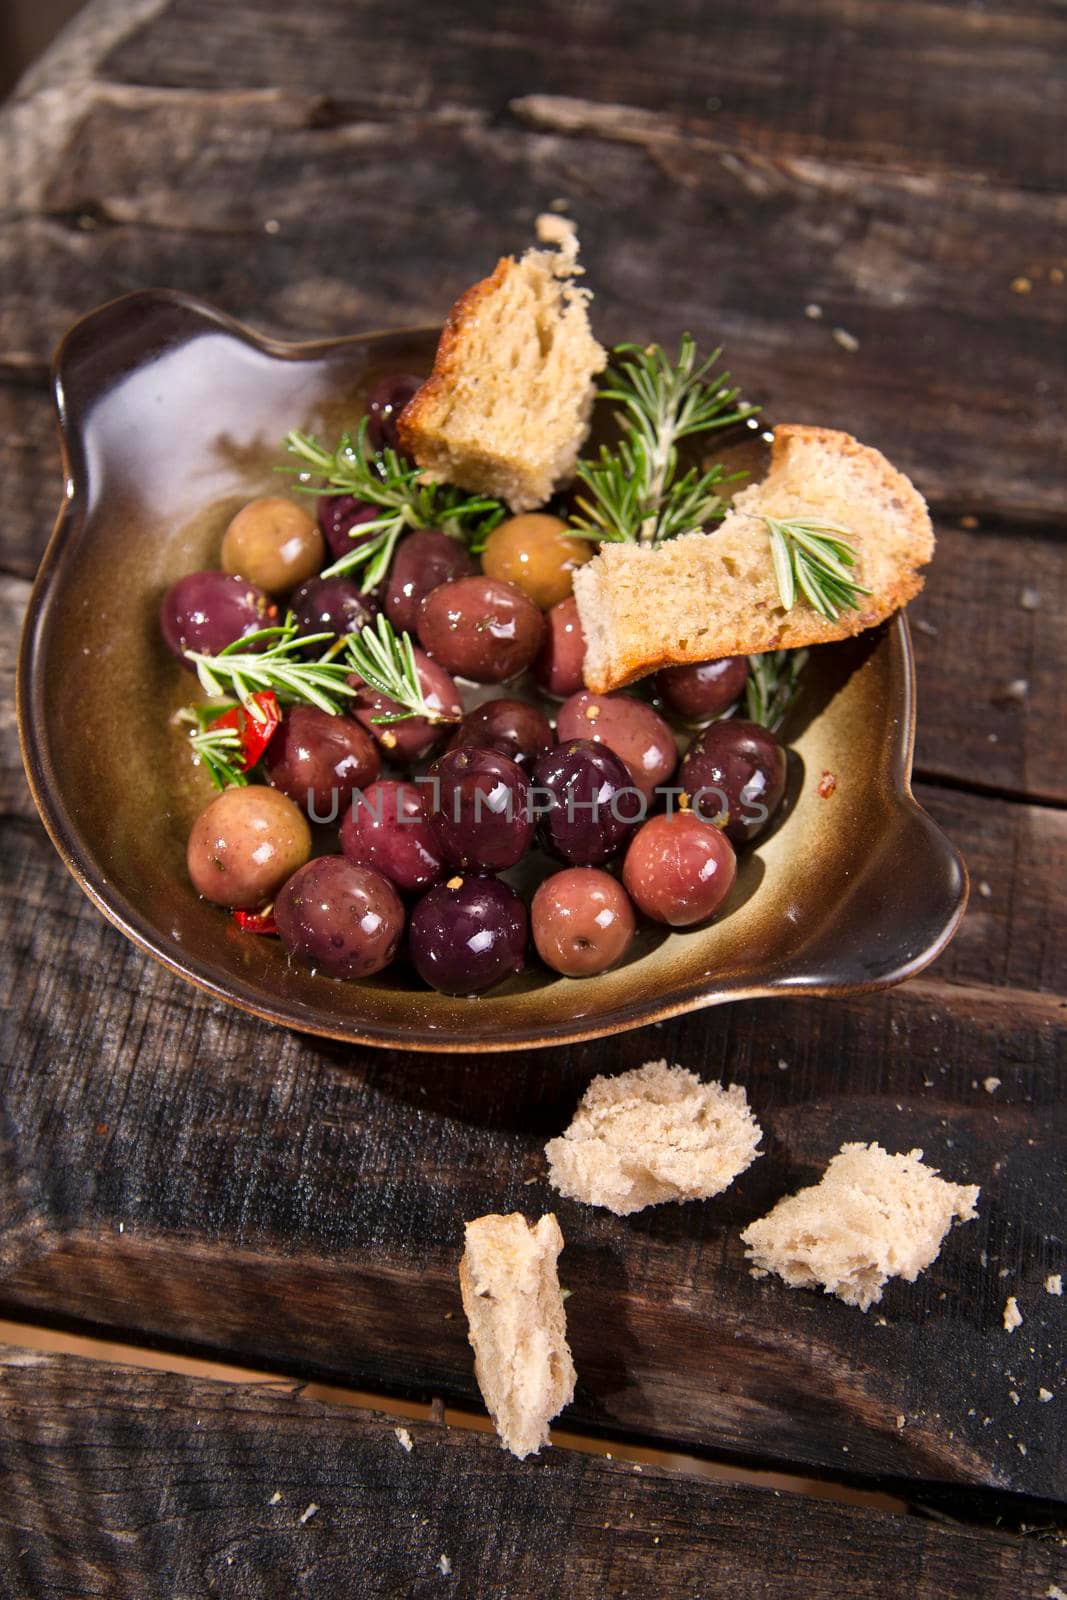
x=706 y=595
x=651 y=1135
x=872 y=1217
x=506 y=409
x=518 y=1326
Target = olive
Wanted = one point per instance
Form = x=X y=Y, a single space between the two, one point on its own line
x=319 y=760
x=245 y=844
x=340 y=918
x=422 y=561
x=414 y=737
x=738 y=769
x=480 y=629
x=274 y=543
x=538 y=554
x=679 y=869
x=206 y=611
x=703 y=690
x=637 y=734
x=582 y=921
x=558 y=666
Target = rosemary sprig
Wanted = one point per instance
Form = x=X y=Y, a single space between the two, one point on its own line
x=635 y=493
x=241 y=671
x=816 y=558
x=386 y=661
x=773 y=682
x=215 y=747
x=386 y=480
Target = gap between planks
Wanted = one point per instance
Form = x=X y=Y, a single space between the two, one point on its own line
x=29 y=1336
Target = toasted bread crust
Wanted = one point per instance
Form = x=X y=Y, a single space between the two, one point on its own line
x=415 y=419
x=760 y=630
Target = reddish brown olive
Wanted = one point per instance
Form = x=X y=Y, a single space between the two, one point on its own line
x=679 y=869
x=582 y=921
x=480 y=629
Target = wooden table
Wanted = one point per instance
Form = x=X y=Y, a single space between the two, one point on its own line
x=866 y=205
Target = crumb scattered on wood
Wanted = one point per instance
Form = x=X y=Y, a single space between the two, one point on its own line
x=990 y=1085
x=445 y=1565
x=275 y=1497
x=813 y=311
x=1013 y=1396
x=404 y=1440
x=1021 y=285
x=969 y=521
x=1013 y=1317
x=1030 y=599
x=1044 y=1395
x=1054 y=1283
x=984 y=889
x=846 y=340
x=308 y=1512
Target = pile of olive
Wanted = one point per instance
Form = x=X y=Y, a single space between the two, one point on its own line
x=621 y=827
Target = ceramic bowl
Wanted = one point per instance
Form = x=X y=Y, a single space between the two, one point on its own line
x=171 y=417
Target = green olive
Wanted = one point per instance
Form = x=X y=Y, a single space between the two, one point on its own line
x=273 y=543
x=245 y=845
x=538 y=554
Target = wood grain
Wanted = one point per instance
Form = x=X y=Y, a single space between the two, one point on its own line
x=131 y=1483
x=183 y=1173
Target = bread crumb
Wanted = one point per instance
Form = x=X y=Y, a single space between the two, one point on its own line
x=404 y=1439
x=652 y=1135
x=1013 y=1317
x=275 y=1497
x=846 y=340
x=445 y=1565
x=1054 y=1592
x=813 y=311
x=308 y=1512
x=1044 y=1395
x=1054 y=1283
x=1030 y=599
x=1021 y=285
x=901 y=1419
x=969 y=521
x=518 y=1326
x=1013 y=1396
x=990 y=1085
x=872 y=1216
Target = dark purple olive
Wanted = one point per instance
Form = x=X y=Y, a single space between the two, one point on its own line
x=467 y=934
x=340 y=919
x=415 y=737
x=587 y=801
x=206 y=611
x=423 y=561
x=514 y=727
x=319 y=760
x=738 y=768
x=558 y=665
x=637 y=734
x=386 y=828
x=705 y=690
x=331 y=605
x=479 y=807
x=480 y=629
x=385 y=401
x=340 y=517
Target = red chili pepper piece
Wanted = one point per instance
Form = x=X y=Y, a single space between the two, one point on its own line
x=256 y=921
x=255 y=723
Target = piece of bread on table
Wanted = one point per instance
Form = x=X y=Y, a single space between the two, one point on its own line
x=706 y=595
x=873 y=1216
x=518 y=1326
x=506 y=409
x=652 y=1135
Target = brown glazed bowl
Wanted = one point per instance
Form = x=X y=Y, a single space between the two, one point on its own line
x=172 y=417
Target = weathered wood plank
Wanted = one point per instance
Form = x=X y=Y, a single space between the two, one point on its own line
x=838 y=80
x=149 y=1484
x=182 y=1172
x=154 y=188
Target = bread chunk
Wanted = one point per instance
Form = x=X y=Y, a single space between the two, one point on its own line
x=706 y=595
x=872 y=1217
x=518 y=1326
x=652 y=1135
x=506 y=409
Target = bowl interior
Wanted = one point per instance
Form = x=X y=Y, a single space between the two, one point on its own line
x=172 y=418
